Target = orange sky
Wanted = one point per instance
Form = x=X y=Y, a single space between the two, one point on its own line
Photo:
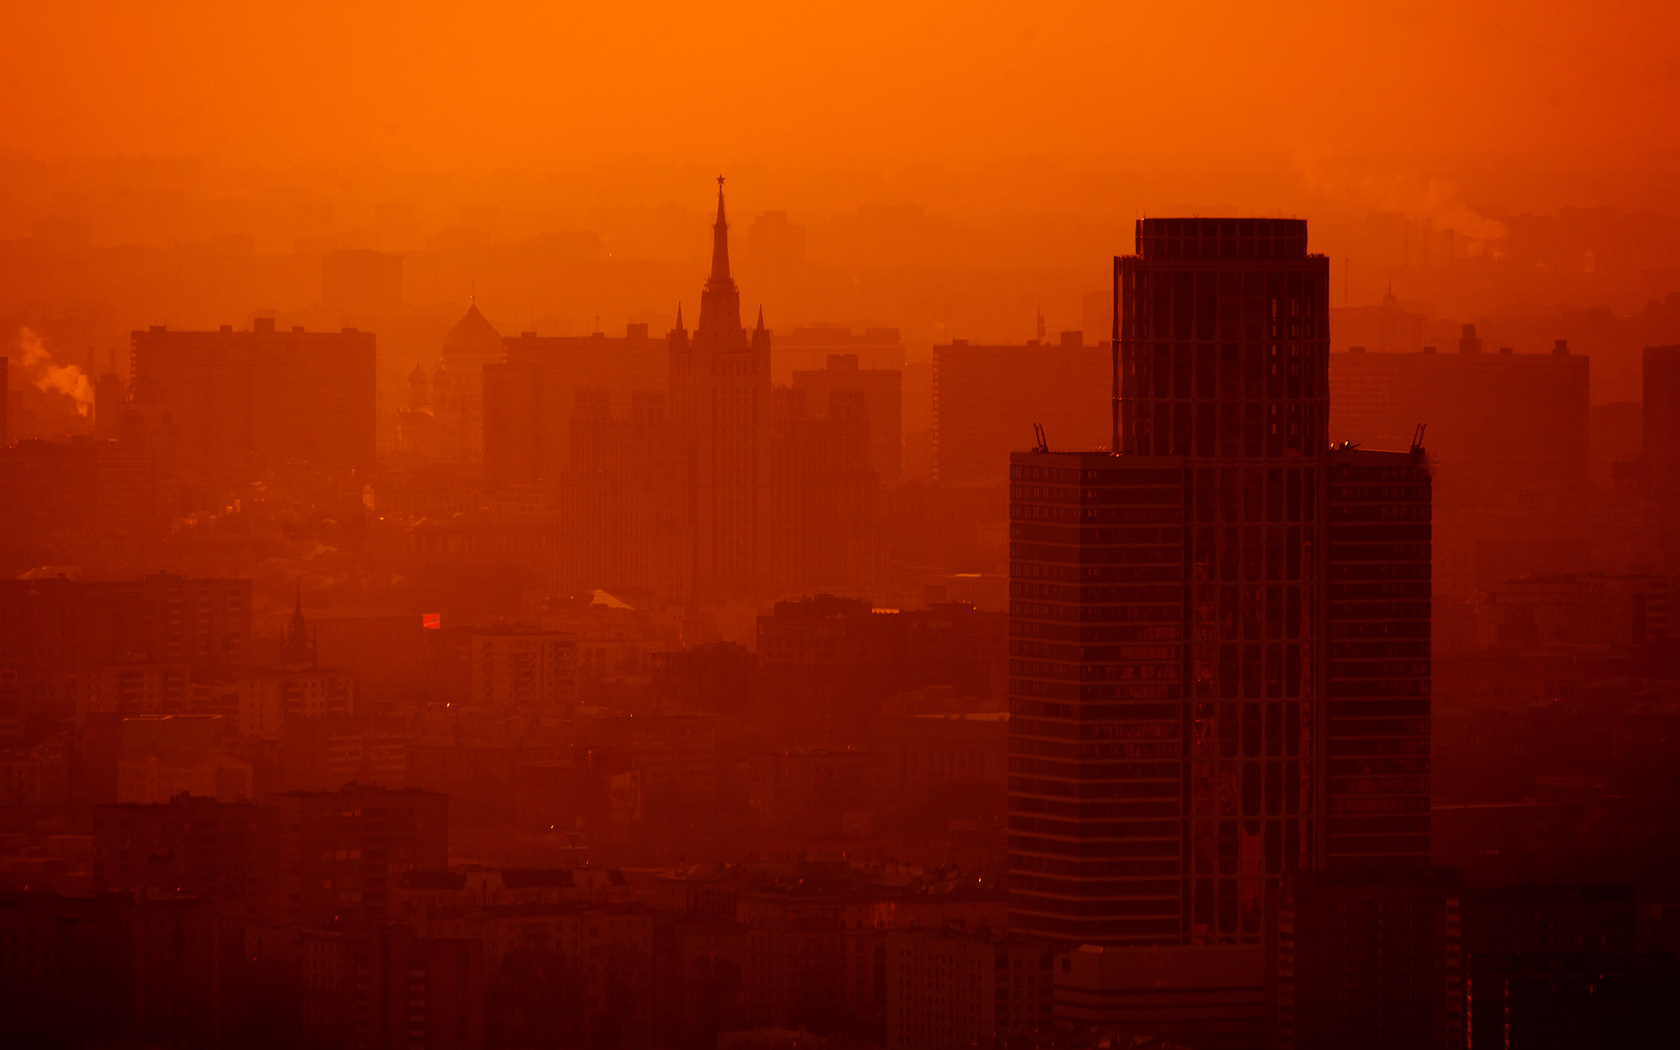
x=1541 y=103
x=954 y=168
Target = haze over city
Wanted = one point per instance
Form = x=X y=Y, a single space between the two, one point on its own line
x=910 y=526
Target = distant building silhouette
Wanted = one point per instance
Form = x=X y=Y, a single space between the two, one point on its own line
x=987 y=398
x=1508 y=439
x=457 y=387
x=1371 y=959
x=1662 y=419
x=532 y=396
x=241 y=402
x=720 y=402
x=882 y=402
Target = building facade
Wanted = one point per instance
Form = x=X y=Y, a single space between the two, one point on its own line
x=247 y=401
x=1219 y=639
x=720 y=403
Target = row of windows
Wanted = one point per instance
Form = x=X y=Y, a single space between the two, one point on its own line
x=1085 y=869
x=1253 y=372
x=1087 y=789
x=1164 y=771
x=1254 y=552
x=1078 y=672
x=1094 y=653
x=1250 y=730
x=1255 y=494
x=1078 y=555
x=1095 y=475
x=1084 y=633
x=1092 y=810
x=1095 y=535
x=1138 y=887
x=1088 y=904
x=1096 y=829
x=1251 y=431
x=1131 y=729
x=1082 y=603
x=1095 y=849
x=1132 y=691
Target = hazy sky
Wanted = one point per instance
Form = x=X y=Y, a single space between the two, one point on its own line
x=1534 y=103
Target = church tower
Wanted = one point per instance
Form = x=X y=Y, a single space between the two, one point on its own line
x=720 y=398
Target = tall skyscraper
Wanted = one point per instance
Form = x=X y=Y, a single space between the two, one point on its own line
x=720 y=399
x=1184 y=605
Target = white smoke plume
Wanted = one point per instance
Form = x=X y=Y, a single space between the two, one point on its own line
x=1432 y=201
x=39 y=368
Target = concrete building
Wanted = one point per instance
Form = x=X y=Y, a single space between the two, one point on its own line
x=243 y=402
x=524 y=669
x=951 y=989
x=1370 y=959
x=986 y=400
x=881 y=390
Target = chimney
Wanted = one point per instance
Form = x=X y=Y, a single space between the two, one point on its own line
x=1561 y=348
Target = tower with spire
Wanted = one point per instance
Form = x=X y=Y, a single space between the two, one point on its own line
x=720 y=397
x=299 y=649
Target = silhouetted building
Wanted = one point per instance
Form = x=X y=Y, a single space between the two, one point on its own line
x=246 y=402
x=543 y=387
x=821 y=495
x=1370 y=959
x=384 y=988
x=1165 y=606
x=808 y=349
x=1211 y=997
x=1376 y=714
x=108 y=968
x=1508 y=440
x=1207 y=621
x=950 y=989
x=819 y=670
x=59 y=624
x=720 y=402
x=987 y=398
x=524 y=669
x=341 y=851
x=1561 y=966
x=881 y=391
x=627 y=496
x=458 y=387
x=1662 y=418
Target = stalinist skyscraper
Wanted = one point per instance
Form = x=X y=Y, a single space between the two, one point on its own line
x=720 y=400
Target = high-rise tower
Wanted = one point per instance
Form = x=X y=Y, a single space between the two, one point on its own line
x=1178 y=607
x=720 y=398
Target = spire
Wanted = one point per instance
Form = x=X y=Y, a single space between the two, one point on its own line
x=720 y=240
x=761 y=317
x=679 y=317
x=299 y=648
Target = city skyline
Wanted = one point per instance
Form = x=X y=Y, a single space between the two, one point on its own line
x=928 y=527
